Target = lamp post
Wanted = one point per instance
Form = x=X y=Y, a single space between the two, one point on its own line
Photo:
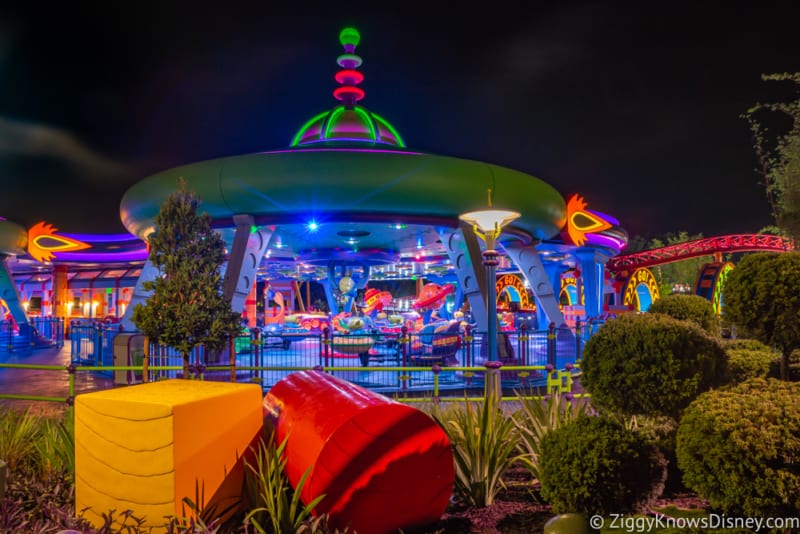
x=488 y=224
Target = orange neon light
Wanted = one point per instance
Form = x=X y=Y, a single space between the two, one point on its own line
x=44 y=243
x=581 y=222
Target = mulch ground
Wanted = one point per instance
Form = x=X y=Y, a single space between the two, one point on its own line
x=520 y=510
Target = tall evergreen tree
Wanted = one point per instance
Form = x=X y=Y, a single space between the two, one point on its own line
x=186 y=307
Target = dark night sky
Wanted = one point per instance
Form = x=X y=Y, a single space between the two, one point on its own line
x=635 y=106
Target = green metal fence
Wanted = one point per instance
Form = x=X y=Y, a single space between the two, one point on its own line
x=437 y=379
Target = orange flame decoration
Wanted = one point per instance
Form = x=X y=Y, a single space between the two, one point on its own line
x=581 y=222
x=43 y=242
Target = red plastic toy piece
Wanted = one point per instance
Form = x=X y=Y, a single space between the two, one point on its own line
x=381 y=465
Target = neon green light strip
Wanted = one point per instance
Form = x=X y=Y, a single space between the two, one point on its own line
x=367 y=119
x=306 y=126
x=332 y=120
x=391 y=129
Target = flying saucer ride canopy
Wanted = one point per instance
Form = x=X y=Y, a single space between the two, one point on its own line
x=347 y=191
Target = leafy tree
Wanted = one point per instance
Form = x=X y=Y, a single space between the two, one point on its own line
x=762 y=298
x=677 y=273
x=779 y=156
x=186 y=307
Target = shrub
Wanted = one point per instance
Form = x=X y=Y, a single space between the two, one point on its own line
x=761 y=300
x=689 y=308
x=651 y=364
x=34 y=503
x=535 y=418
x=483 y=441
x=594 y=465
x=745 y=344
x=738 y=448
x=746 y=364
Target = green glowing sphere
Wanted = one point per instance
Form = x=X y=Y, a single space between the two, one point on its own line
x=349 y=36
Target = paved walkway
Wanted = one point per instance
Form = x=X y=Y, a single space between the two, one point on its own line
x=46 y=383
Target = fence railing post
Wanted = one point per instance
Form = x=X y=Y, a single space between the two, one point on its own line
x=326 y=345
x=492 y=389
x=468 y=351
x=146 y=360
x=233 y=358
x=578 y=339
x=436 y=370
x=551 y=344
x=523 y=344
x=403 y=341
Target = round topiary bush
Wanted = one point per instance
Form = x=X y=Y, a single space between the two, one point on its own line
x=746 y=364
x=594 y=465
x=738 y=447
x=745 y=344
x=651 y=364
x=689 y=308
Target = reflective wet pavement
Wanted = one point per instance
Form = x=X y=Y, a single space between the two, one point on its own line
x=45 y=383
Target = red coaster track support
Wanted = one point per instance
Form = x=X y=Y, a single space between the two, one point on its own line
x=701 y=247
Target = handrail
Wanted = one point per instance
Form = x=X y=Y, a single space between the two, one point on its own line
x=400 y=395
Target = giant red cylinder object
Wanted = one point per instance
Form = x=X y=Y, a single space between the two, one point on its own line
x=381 y=465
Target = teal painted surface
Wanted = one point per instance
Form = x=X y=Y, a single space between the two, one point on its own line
x=306 y=182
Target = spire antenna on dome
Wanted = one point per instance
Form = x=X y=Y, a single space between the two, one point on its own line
x=349 y=78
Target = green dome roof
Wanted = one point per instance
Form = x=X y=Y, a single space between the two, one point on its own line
x=348 y=123
x=342 y=125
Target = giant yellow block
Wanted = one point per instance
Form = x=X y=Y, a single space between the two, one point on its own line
x=146 y=447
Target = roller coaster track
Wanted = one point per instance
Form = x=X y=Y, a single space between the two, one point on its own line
x=700 y=247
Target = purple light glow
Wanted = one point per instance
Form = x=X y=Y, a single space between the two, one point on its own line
x=100 y=257
x=376 y=150
x=605 y=241
x=605 y=216
x=101 y=238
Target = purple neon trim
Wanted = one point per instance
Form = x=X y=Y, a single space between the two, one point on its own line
x=101 y=238
x=99 y=257
x=605 y=216
x=605 y=241
x=349 y=149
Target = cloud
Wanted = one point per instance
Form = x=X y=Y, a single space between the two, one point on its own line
x=24 y=139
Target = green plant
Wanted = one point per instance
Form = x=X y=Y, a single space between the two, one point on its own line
x=744 y=344
x=483 y=441
x=689 y=308
x=746 y=364
x=594 y=465
x=651 y=364
x=661 y=432
x=55 y=445
x=271 y=494
x=761 y=300
x=779 y=155
x=738 y=447
x=535 y=418
x=37 y=503
x=19 y=433
x=186 y=307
